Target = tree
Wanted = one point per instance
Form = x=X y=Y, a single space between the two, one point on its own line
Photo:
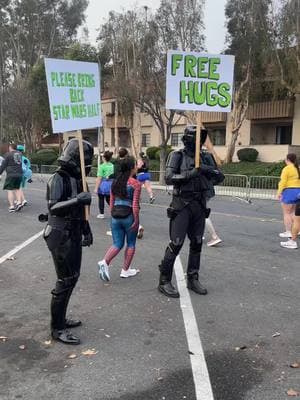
x=30 y=30
x=285 y=41
x=247 y=40
x=137 y=42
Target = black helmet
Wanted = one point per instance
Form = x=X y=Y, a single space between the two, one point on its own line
x=189 y=136
x=70 y=158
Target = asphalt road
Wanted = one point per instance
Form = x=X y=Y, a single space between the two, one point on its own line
x=249 y=322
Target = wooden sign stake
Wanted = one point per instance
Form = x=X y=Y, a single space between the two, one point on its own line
x=82 y=167
x=198 y=140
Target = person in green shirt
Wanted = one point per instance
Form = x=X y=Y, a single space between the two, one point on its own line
x=104 y=181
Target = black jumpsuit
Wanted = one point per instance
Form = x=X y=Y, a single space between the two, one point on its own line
x=187 y=211
x=63 y=235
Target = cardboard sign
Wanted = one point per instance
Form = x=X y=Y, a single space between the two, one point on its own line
x=199 y=81
x=74 y=94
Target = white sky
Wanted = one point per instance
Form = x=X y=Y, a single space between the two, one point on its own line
x=215 y=32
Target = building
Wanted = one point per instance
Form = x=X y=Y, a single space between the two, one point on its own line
x=273 y=128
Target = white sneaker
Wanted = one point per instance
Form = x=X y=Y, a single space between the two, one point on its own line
x=24 y=203
x=286 y=234
x=109 y=233
x=12 y=209
x=129 y=273
x=140 y=232
x=100 y=216
x=290 y=244
x=103 y=271
x=214 y=242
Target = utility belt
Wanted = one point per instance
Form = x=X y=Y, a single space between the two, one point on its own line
x=182 y=199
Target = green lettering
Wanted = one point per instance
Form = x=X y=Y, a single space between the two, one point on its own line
x=202 y=61
x=213 y=65
x=224 y=91
x=55 y=112
x=211 y=99
x=189 y=65
x=53 y=78
x=199 y=94
x=76 y=95
x=176 y=58
x=186 y=92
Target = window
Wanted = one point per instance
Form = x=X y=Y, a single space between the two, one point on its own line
x=113 y=108
x=112 y=137
x=284 y=134
x=124 y=138
x=218 y=136
x=176 y=139
x=146 y=139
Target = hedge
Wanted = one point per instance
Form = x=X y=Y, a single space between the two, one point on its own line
x=248 y=154
x=44 y=157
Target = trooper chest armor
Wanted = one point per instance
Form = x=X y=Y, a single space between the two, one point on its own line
x=63 y=187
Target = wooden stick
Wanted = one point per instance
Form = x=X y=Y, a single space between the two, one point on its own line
x=82 y=167
x=198 y=140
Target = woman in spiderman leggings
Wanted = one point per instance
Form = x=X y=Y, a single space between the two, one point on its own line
x=125 y=207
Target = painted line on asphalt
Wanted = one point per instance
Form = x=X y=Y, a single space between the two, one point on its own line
x=213 y=212
x=202 y=383
x=20 y=247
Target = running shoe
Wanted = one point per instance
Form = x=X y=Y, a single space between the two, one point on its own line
x=100 y=216
x=286 y=234
x=140 y=232
x=12 y=209
x=152 y=200
x=129 y=273
x=18 y=207
x=290 y=244
x=24 y=203
x=103 y=271
x=214 y=242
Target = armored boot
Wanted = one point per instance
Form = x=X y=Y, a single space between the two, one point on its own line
x=65 y=337
x=165 y=284
x=194 y=284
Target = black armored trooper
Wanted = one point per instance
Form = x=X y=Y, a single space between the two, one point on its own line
x=187 y=211
x=66 y=232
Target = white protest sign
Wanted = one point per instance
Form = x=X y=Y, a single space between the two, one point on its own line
x=199 y=81
x=74 y=94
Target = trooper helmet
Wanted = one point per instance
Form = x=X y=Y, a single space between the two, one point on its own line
x=189 y=136
x=70 y=158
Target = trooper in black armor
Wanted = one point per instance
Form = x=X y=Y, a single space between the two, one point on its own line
x=66 y=232
x=187 y=211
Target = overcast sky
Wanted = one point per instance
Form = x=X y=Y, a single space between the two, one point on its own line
x=98 y=11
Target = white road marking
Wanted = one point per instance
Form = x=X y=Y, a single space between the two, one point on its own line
x=20 y=247
x=203 y=387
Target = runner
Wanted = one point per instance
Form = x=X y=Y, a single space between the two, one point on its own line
x=104 y=181
x=12 y=163
x=208 y=159
x=27 y=173
x=143 y=175
x=292 y=243
x=288 y=192
x=125 y=207
x=1 y=160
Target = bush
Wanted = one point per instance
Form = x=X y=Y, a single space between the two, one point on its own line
x=151 y=152
x=44 y=157
x=253 y=168
x=248 y=154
